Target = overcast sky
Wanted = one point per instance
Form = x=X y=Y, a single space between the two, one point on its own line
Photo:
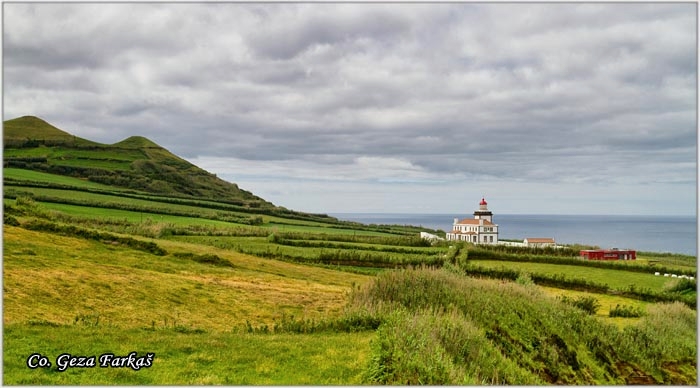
x=423 y=108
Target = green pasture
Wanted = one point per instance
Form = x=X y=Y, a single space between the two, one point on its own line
x=87 y=157
x=613 y=278
x=59 y=279
x=185 y=356
x=38 y=152
x=669 y=260
x=263 y=247
x=307 y=227
x=106 y=203
x=37 y=176
x=101 y=214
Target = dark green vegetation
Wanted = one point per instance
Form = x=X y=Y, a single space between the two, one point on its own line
x=444 y=328
x=126 y=247
x=135 y=163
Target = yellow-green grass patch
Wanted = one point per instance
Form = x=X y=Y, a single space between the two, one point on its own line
x=64 y=280
x=607 y=303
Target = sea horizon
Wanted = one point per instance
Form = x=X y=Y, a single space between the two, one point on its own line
x=650 y=233
x=334 y=214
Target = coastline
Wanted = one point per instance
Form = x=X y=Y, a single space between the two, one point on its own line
x=649 y=233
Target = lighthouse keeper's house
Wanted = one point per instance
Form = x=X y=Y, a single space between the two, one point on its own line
x=477 y=230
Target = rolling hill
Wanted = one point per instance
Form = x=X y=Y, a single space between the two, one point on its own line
x=135 y=163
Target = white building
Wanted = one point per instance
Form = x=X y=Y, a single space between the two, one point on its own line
x=477 y=230
x=539 y=242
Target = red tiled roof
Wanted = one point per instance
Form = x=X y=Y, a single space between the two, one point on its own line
x=474 y=221
x=460 y=232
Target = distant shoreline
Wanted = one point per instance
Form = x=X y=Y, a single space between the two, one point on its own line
x=648 y=233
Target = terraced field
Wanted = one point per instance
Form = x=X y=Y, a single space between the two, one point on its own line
x=231 y=289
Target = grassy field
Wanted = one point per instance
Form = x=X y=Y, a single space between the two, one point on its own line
x=613 y=278
x=225 y=288
x=102 y=214
x=187 y=358
x=37 y=176
x=61 y=279
x=68 y=295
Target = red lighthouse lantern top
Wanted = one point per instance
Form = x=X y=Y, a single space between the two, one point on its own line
x=483 y=201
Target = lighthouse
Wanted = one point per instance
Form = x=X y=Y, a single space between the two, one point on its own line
x=483 y=212
x=477 y=230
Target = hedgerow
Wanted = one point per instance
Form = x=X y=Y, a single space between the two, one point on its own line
x=562 y=281
x=482 y=253
x=89 y=234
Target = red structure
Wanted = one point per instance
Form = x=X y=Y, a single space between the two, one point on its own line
x=609 y=254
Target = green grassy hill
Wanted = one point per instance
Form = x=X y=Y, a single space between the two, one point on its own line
x=135 y=163
x=29 y=131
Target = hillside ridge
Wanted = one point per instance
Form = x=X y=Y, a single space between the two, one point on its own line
x=136 y=142
x=136 y=163
x=30 y=130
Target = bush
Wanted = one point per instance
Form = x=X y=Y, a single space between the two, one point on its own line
x=255 y=220
x=88 y=234
x=588 y=304
x=207 y=258
x=429 y=348
x=667 y=332
x=212 y=259
x=682 y=286
x=9 y=220
x=625 y=311
x=524 y=279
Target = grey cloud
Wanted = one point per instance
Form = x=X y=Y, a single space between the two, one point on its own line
x=548 y=92
x=283 y=38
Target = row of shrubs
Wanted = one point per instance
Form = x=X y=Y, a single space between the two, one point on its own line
x=219 y=216
x=412 y=240
x=89 y=234
x=625 y=311
x=335 y=245
x=352 y=321
x=206 y=258
x=227 y=204
x=500 y=249
x=171 y=198
x=482 y=253
x=344 y=257
x=590 y=305
x=562 y=281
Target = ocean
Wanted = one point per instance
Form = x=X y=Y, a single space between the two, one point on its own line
x=676 y=234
